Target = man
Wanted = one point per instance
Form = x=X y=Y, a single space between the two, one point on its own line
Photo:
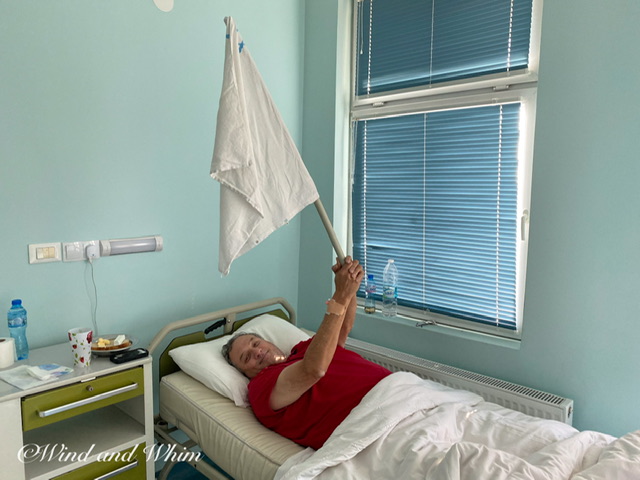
x=306 y=394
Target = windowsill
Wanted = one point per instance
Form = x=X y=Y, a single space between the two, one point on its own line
x=446 y=330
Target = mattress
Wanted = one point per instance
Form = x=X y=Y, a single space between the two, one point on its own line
x=230 y=436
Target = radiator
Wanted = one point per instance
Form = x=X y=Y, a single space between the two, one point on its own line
x=516 y=397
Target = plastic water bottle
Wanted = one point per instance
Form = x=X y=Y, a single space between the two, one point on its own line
x=17 y=320
x=390 y=290
x=369 y=292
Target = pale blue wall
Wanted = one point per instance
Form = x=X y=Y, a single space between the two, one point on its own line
x=582 y=326
x=107 y=121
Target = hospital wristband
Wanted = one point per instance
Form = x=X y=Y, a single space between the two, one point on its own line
x=335 y=308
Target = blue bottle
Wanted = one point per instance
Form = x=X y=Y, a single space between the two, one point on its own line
x=17 y=320
x=369 y=292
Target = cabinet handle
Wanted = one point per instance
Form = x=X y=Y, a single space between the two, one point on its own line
x=86 y=401
x=118 y=471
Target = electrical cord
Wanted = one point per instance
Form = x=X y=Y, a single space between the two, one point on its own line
x=94 y=310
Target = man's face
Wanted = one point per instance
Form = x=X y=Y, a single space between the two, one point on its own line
x=250 y=354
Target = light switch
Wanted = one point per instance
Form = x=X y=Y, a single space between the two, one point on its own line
x=44 y=253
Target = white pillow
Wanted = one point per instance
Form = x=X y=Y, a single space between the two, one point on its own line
x=204 y=361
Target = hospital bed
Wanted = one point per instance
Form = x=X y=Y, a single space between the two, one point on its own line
x=202 y=405
x=229 y=435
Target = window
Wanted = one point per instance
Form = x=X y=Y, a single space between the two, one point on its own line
x=442 y=118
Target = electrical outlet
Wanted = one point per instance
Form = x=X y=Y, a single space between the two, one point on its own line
x=92 y=252
x=77 y=251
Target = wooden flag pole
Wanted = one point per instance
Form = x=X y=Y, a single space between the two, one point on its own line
x=329 y=228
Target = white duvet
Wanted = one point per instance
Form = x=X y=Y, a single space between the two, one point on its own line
x=410 y=428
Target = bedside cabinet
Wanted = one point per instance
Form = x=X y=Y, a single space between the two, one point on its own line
x=94 y=422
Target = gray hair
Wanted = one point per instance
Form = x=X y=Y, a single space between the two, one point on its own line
x=226 y=348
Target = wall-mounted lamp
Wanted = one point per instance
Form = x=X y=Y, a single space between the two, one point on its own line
x=130 y=245
x=164 y=5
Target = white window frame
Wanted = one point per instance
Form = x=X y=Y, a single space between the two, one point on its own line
x=518 y=86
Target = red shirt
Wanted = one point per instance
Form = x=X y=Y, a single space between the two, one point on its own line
x=312 y=418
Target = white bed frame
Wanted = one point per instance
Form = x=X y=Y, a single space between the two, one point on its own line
x=516 y=397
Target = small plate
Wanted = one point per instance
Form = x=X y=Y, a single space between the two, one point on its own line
x=129 y=342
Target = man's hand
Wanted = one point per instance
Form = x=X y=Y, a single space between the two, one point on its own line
x=348 y=262
x=348 y=277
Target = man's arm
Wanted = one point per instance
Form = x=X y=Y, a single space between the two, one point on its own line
x=349 y=319
x=350 y=314
x=297 y=378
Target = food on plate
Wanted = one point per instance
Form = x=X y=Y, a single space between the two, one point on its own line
x=120 y=341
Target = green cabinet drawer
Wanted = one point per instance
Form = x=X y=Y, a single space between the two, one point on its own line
x=126 y=465
x=65 y=402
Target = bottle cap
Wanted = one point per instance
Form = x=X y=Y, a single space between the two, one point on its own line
x=17 y=301
x=391 y=260
x=370 y=276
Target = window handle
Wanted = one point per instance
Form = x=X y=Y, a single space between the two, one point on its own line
x=524 y=226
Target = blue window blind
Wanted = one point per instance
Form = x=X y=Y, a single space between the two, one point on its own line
x=437 y=192
x=414 y=43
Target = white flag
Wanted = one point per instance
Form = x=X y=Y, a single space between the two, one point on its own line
x=264 y=182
